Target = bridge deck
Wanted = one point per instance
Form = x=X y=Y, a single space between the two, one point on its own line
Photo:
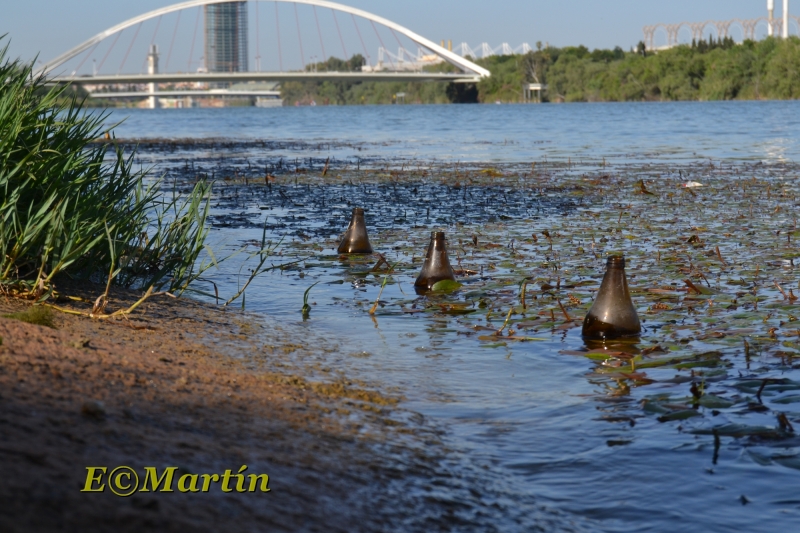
x=236 y=77
x=182 y=94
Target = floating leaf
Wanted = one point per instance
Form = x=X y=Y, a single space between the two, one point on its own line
x=679 y=415
x=789 y=461
x=445 y=285
x=742 y=430
x=494 y=345
x=714 y=402
x=787 y=399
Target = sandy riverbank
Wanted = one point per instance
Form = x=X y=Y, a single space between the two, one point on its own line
x=180 y=384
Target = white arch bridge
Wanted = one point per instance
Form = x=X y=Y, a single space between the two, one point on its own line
x=71 y=66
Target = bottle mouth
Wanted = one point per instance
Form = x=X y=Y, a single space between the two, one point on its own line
x=615 y=261
x=438 y=235
x=358 y=210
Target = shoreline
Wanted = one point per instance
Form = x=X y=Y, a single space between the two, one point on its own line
x=736 y=227
x=178 y=385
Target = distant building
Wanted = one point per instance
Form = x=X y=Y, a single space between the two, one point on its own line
x=226 y=37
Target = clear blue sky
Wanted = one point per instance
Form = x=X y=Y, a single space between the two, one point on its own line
x=49 y=27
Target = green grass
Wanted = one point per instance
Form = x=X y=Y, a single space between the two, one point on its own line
x=65 y=210
x=36 y=314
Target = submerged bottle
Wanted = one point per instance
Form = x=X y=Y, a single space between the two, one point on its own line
x=436 y=266
x=612 y=315
x=355 y=240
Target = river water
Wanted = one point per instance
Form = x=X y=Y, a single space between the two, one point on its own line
x=538 y=435
x=671 y=132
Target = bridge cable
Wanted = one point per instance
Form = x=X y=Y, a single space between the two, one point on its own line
x=319 y=32
x=344 y=48
x=85 y=58
x=381 y=41
x=124 y=59
x=109 y=50
x=172 y=42
x=402 y=48
x=299 y=37
x=258 y=43
x=191 y=50
x=366 y=54
x=153 y=40
x=278 y=33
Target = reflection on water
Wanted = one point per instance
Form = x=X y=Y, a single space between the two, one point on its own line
x=669 y=433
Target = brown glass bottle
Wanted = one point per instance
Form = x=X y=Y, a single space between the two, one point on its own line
x=436 y=266
x=355 y=240
x=612 y=315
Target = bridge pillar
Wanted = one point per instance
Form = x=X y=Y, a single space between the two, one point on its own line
x=785 y=19
x=152 y=68
x=771 y=16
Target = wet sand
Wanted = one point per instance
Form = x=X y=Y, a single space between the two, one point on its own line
x=179 y=384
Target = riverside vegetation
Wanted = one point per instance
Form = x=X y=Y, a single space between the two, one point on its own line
x=66 y=212
x=704 y=70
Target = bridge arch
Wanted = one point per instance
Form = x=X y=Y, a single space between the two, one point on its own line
x=447 y=55
x=652 y=31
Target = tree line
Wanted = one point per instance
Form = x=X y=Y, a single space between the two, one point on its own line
x=713 y=69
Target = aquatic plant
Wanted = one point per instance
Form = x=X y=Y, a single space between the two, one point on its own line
x=306 y=309
x=66 y=211
x=389 y=270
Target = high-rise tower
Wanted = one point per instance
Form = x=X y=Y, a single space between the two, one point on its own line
x=226 y=37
